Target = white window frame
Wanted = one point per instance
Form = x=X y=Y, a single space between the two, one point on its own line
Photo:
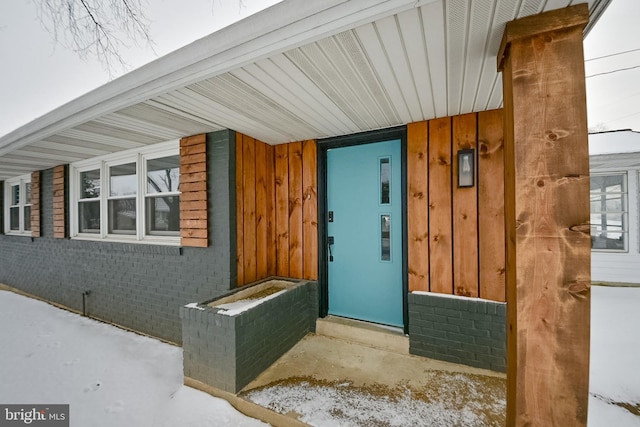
x=22 y=182
x=103 y=163
x=624 y=194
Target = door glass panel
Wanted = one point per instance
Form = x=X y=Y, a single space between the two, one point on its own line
x=385 y=180
x=385 y=237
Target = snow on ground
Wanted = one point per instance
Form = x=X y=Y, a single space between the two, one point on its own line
x=614 y=377
x=447 y=399
x=115 y=378
x=109 y=377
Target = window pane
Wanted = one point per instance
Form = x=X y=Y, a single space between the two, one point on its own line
x=90 y=184
x=385 y=177
x=608 y=210
x=613 y=221
x=122 y=216
x=123 y=180
x=15 y=195
x=27 y=218
x=27 y=193
x=163 y=175
x=385 y=235
x=14 y=218
x=614 y=202
x=608 y=184
x=604 y=240
x=163 y=215
x=89 y=217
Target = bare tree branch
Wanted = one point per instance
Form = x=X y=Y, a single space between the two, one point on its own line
x=100 y=28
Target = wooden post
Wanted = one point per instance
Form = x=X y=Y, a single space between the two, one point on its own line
x=547 y=219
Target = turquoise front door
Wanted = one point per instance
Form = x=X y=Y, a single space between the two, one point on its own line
x=364 y=202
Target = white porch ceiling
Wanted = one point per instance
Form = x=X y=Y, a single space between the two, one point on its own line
x=293 y=72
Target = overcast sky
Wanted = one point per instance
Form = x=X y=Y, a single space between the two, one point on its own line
x=614 y=99
x=37 y=76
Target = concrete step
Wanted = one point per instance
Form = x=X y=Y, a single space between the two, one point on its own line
x=370 y=334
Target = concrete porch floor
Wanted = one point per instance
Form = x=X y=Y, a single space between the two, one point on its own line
x=361 y=352
x=368 y=356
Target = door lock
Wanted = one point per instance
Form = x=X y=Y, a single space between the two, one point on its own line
x=330 y=241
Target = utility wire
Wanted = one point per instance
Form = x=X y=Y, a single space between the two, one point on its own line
x=612 y=54
x=613 y=71
x=624 y=117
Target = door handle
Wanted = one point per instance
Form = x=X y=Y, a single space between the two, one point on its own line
x=330 y=242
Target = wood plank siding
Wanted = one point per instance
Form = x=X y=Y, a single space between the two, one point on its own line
x=295 y=210
x=418 y=205
x=35 y=204
x=309 y=211
x=59 y=220
x=456 y=235
x=276 y=209
x=440 y=203
x=491 y=205
x=465 y=212
x=282 y=209
x=193 y=188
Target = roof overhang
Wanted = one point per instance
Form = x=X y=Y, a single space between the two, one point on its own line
x=298 y=70
x=614 y=150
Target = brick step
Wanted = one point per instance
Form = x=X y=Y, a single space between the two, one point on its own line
x=365 y=333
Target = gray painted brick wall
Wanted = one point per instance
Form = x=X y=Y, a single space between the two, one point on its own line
x=228 y=352
x=138 y=286
x=461 y=330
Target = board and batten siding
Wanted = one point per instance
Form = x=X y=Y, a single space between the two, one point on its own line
x=276 y=210
x=456 y=235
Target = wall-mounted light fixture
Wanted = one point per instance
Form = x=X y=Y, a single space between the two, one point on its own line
x=466 y=166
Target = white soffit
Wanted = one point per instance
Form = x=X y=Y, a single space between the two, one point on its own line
x=614 y=162
x=299 y=70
